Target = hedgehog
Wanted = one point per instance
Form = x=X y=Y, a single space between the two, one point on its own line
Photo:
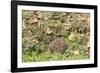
x=57 y=45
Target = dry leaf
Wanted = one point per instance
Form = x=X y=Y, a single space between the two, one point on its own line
x=71 y=37
x=76 y=52
x=35 y=41
x=48 y=31
x=66 y=24
x=34 y=20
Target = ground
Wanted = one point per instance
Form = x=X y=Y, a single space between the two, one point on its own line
x=40 y=28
